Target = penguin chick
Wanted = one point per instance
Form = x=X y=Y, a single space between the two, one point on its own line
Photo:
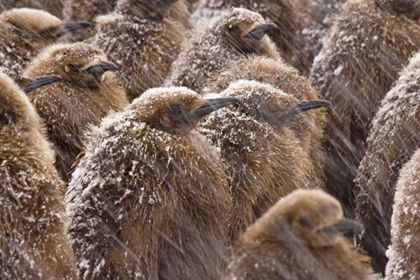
x=54 y=7
x=142 y=40
x=282 y=13
x=229 y=37
x=299 y=238
x=149 y=198
x=87 y=10
x=24 y=32
x=354 y=70
x=405 y=225
x=396 y=124
x=264 y=159
x=86 y=93
x=308 y=127
x=33 y=242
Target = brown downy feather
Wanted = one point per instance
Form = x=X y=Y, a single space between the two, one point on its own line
x=219 y=44
x=33 y=242
x=54 y=7
x=263 y=157
x=281 y=12
x=308 y=127
x=149 y=198
x=360 y=59
x=142 y=40
x=81 y=99
x=298 y=238
x=403 y=252
x=23 y=33
x=393 y=139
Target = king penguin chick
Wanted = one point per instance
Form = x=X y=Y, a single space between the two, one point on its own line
x=149 y=198
x=88 y=10
x=24 y=32
x=264 y=159
x=396 y=124
x=354 y=70
x=299 y=238
x=33 y=242
x=144 y=42
x=87 y=93
x=403 y=253
x=282 y=13
x=308 y=127
x=229 y=37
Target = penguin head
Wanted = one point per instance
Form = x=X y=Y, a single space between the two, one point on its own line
x=80 y=64
x=408 y=8
x=176 y=110
x=37 y=27
x=267 y=103
x=242 y=29
x=155 y=10
x=314 y=218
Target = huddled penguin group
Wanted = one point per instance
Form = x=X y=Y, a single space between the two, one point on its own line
x=209 y=139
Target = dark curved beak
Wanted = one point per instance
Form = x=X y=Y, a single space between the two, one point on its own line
x=213 y=105
x=307 y=105
x=101 y=68
x=71 y=26
x=344 y=225
x=259 y=32
x=40 y=82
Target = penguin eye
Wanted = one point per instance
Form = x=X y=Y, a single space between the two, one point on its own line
x=306 y=222
x=176 y=112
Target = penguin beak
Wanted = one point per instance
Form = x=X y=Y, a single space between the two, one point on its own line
x=40 y=82
x=71 y=26
x=99 y=69
x=212 y=105
x=307 y=105
x=344 y=225
x=259 y=32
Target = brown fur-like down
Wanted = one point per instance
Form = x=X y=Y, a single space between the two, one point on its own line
x=80 y=99
x=217 y=45
x=23 y=33
x=88 y=10
x=360 y=59
x=281 y=12
x=149 y=198
x=142 y=40
x=290 y=242
x=33 y=243
x=403 y=253
x=308 y=127
x=54 y=7
x=263 y=157
x=393 y=139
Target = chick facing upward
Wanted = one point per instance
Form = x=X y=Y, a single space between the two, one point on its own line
x=24 y=32
x=87 y=92
x=150 y=185
x=229 y=37
x=299 y=238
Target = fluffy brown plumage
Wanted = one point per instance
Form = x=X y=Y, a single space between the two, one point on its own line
x=142 y=40
x=87 y=93
x=308 y=127
x=149 y=198
x=264 y=159
x=360 y=59
x=299 y=238
x=395 y=124
x=54 y=7
x=281 y=12
x=403 y=252
x=33 y=243
x=229 y=37
x=23 y=33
